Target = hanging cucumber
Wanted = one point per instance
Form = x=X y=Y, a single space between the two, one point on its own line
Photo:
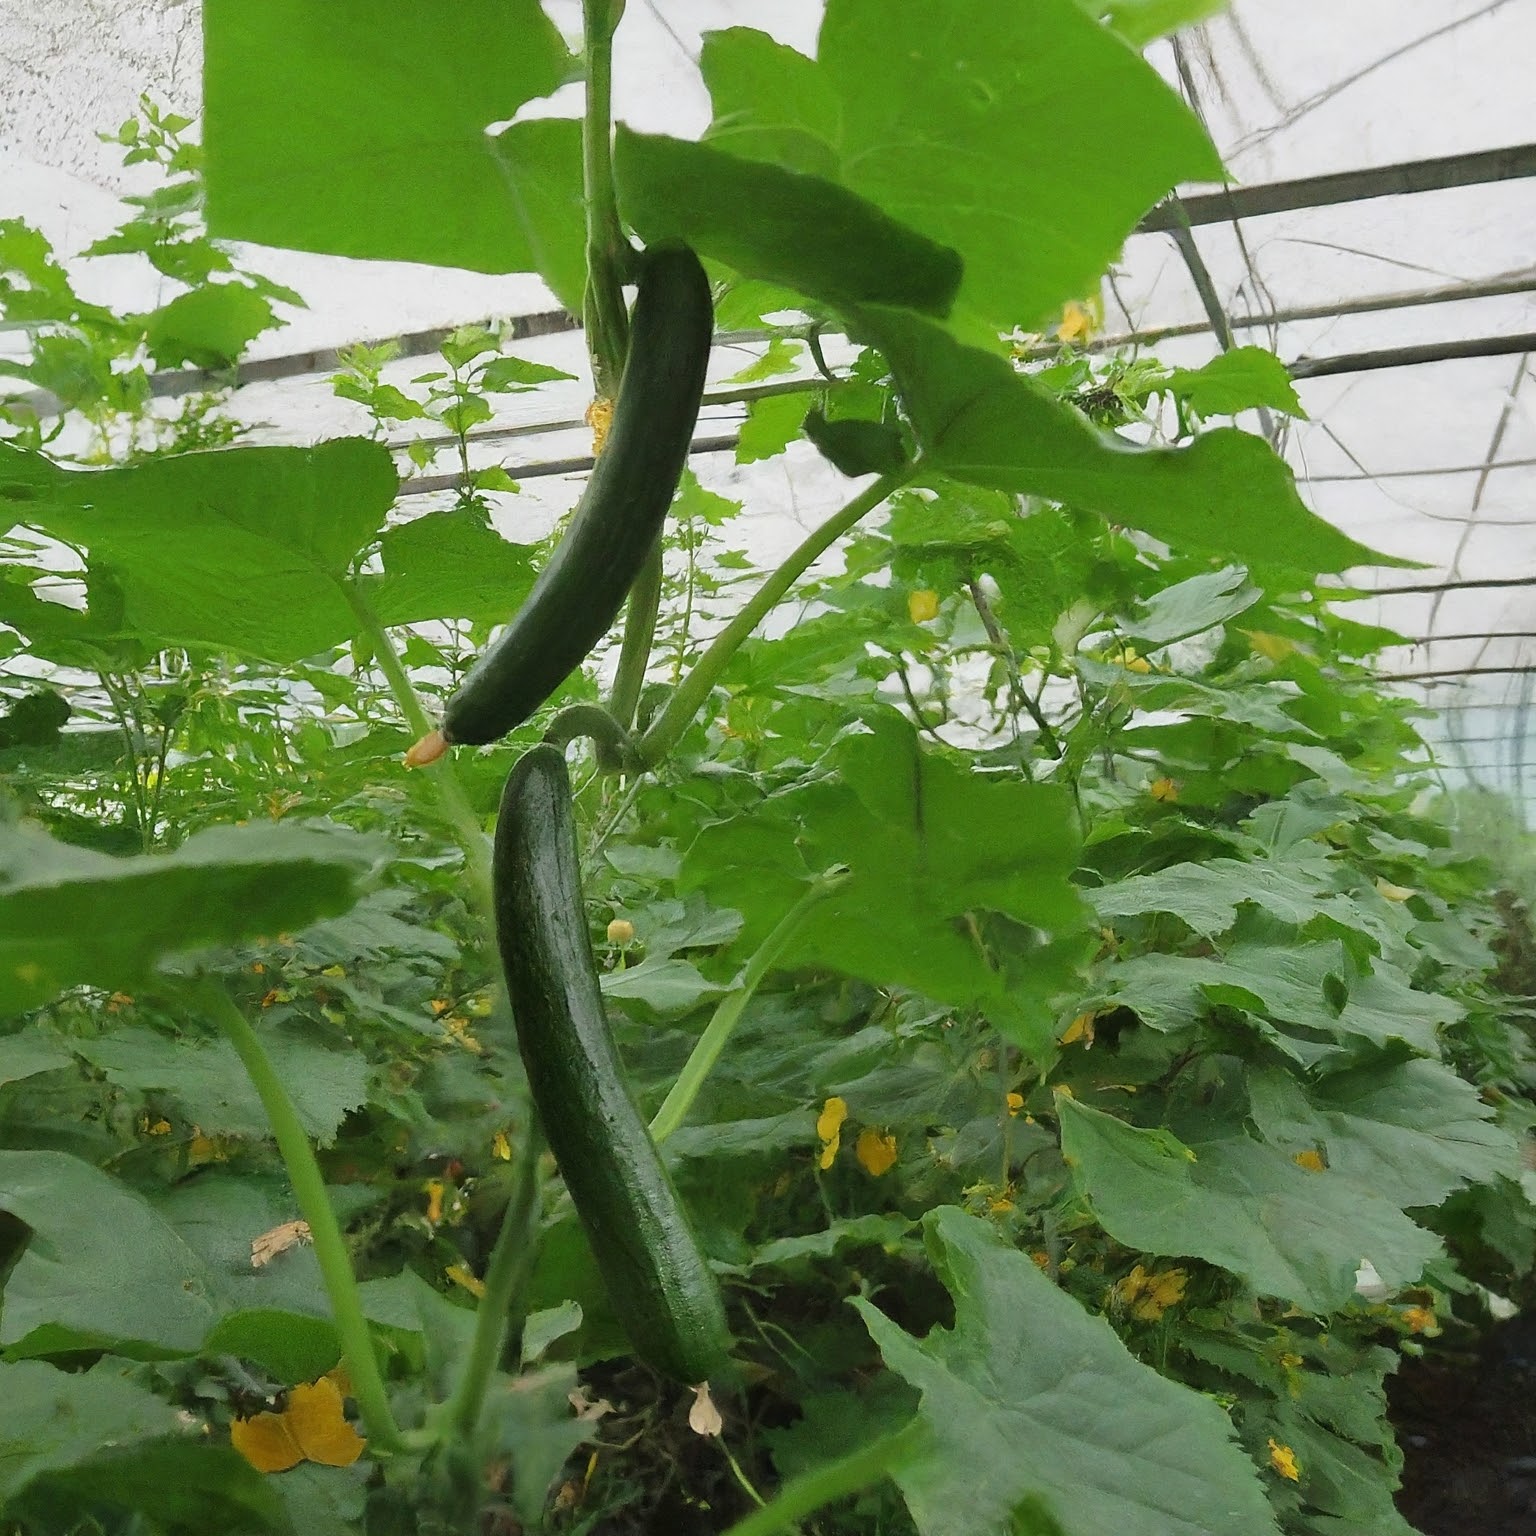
x=580 y=591
x=658 y=1282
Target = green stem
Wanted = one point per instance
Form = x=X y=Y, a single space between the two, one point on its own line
x=728 y=1012
x=806 y=1494
x=606 y=319
x=639 y=634
x=315 y=1207
x=686 y=701
x=506 y=1279
x=615 y=748
x=455 y=803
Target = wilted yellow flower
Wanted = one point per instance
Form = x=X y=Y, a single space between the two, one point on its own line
x=829 y=1128
x=463 y=1275
x=621 y=931
x=1393 y=892
x=1420 y=1319
x=1148 y=1294
x=1283 y=1459
x=600 y=418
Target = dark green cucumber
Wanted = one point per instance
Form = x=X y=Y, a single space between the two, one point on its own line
x=661 y=1288
x=579 y=592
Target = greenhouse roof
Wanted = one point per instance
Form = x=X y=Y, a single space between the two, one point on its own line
x=1380 y=236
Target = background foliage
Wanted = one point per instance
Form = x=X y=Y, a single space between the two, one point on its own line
x=1150 y=1071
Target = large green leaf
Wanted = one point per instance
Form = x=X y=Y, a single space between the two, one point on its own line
x=1190 y=607
x=1028 y=1395
x=101 y=1269
x=1310 y=985
x=675 y=189
x=210 y=1084
x=246 y=549
x=186 y=1485
x=1238 y=380
x=1025 y=137
x=1412 y=1131
x=52 y=1419
x=278 y=1316
x=70 y=915
x=980 y=421
x=360 y=131
x=905 y=823
x=208 y=327
x=1207 y=896
x=1288 y=1231
x=448 y=565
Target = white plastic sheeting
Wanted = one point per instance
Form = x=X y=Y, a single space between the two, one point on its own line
x=1433 y=460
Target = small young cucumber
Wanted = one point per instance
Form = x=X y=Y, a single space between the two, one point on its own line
x=580 y=591
x=661 y=1288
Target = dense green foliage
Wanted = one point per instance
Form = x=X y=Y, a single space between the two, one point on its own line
x=1086 y=1059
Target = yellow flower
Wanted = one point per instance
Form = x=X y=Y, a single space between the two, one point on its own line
x=312 y=1427
x=1420 y=1320
x=1163 y=790
x=1129 y=658
x=922 y=605
x=501 y=1147
x=1080 y=318
x=1015 y=1104
x=1270 y=647
x=1283 y=1459
x=829 y=1128
x=875 y=1151
x=1081 y=1028
x=434 y=1193
x=1311 y=1160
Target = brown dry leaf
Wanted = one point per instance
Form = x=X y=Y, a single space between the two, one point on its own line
x=703 y=1417
x=279 y=1240
x=585 y=1408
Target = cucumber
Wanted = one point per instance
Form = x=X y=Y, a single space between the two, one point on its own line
x=661 y=1288
x=580 y=591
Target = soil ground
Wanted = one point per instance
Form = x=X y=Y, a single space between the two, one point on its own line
x=1467 y=1426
